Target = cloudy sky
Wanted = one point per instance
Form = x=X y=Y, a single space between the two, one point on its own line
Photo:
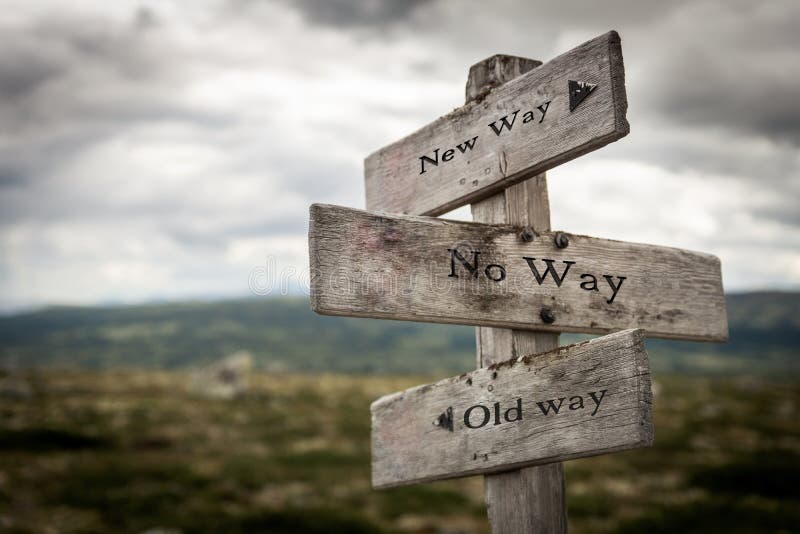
x=157 y=150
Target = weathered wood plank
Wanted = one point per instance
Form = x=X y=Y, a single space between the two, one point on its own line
x=581 y=400
x=404 y=267
x=545 y=132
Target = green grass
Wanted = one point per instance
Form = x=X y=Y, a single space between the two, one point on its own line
x=130 y=451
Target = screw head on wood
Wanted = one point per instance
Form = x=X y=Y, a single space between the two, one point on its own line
x=547 y=315
x=527 y=234
x=561 y=239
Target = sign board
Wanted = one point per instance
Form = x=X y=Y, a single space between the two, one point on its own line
x=580 y=400
x=569 y=106
x=434 y=270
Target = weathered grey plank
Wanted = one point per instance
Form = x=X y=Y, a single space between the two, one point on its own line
x=582 y=400
x=550 y=135
x=400 y=267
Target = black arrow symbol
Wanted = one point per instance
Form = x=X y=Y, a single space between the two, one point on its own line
x=578 y=91
x=445 y=420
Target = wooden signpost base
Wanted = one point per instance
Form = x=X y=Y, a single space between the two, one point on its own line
x=532 y=499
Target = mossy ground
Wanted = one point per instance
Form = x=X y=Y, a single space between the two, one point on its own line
x=130 y=451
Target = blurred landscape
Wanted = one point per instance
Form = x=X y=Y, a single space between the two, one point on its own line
x=102 y=427
x=160 y=152
x=283 y=334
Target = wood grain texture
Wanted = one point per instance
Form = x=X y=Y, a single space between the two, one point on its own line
x=492 y=72
x=530 y=500
x=524 y=204
x=398 y=267
x=393 y=178
x=493 y=419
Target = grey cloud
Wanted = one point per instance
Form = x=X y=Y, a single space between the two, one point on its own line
x=357 y=13
x=145 y=18
x=695 y=64
x=217 y=238
x=784 y=210
x=59 y=68
x=23 y=71
x=774 y=170
x=11 y=176
x=703 y=64
x=771 y=112
x=689 y=78
x=744 y=87
x=119 y=47
x=68 y=84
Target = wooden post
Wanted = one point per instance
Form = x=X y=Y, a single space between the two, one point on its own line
x=530 y=500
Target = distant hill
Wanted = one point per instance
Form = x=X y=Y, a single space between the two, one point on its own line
x=284 y=334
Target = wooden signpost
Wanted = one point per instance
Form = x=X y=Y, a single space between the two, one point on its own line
x=435 y=270
x=529 y=405
x=572 y=105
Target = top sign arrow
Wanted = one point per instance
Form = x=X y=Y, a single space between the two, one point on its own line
x=517 y=131
x=578 y=91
